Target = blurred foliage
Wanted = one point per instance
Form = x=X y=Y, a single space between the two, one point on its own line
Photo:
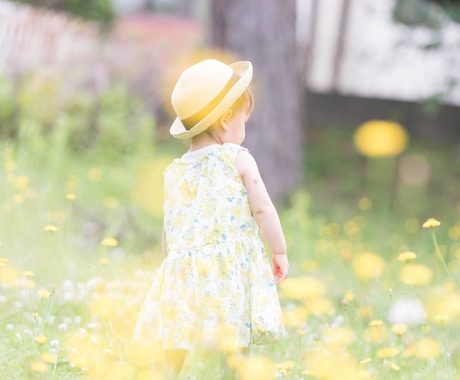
x=417 y=13
x=425 y=12
x=452 y=8
x=40 y=109
x=95 y=10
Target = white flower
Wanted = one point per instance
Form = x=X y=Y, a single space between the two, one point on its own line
x=407 y=311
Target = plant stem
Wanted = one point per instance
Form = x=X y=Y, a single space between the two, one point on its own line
x=438 y=251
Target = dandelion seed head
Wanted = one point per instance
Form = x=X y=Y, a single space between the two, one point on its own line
x=407 y=311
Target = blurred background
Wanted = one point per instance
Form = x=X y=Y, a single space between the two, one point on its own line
x=357 y=104
x=356 y=131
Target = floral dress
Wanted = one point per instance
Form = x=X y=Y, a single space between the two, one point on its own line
x=215 y=287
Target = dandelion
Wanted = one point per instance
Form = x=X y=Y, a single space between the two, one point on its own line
x=338 y=337
x=38 y=366
x=407 y=311
x=256 y=368
x=95 y=174
x=427 y=348
x=416 y=274
x=399 y=329
x=50 y=228
x=364 y=203
x=41 y=339
x=43 y=293
x=301 y=288
x=375 y=334
x=393 y=366
x=388 y=352
x=407 y=256
x=28 y=273
x=104 y=260
x=431 y=223
x=368 y=266
x=295 y=317
x=380 y=138
x=365 y=361
x=109 y=242
x=71 y=196
x=349 y=297
x=441 y=318
x=48 y=357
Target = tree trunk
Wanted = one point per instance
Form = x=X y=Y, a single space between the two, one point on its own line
x=264 y=32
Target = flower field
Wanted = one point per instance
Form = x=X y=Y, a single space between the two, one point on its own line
x=374 y=244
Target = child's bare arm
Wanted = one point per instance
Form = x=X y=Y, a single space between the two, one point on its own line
x=264 y=212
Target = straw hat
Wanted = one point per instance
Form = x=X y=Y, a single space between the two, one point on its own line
x=204 y=92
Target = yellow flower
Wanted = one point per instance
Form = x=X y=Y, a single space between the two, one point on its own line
x=376 y=332
x=38 y=366
x=41 y=339
x=365 y=361
x=256 y=368
x=48 y=357
x=110 y=242
x=50 y=228
x=399 y=329
x=368 y=265
x=71 y=196
x=43 y=293
x=301 y=288
x=295 y=317
x=441 y=318
x=338 y=337
x=375 y=322
x=95 y=174
x=364 y=203
x=387 y=352
x=394 y=366
x=28 y=273
x=416 y=274
x=407 y=256
x=104 y=260
x=428 y=348
x=380 y=138
x=349 y=297
x=431 y=223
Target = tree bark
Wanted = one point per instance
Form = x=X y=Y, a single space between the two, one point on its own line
x=264 y=32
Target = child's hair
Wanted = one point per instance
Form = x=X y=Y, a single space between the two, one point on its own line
x=246 y=98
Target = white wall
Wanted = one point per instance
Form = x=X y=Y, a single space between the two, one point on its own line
x=381 y=58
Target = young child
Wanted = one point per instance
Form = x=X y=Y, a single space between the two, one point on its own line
x=215 y=286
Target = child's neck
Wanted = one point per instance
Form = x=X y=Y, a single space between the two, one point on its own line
x=204 y=139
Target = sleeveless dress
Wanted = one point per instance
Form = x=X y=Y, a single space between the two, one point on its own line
x=215 y=288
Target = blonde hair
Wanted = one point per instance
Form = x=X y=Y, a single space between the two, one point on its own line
x=246 y=98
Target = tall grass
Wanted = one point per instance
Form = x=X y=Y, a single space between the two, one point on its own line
x=368 y=297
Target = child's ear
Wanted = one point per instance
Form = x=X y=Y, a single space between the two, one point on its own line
x=225 y=119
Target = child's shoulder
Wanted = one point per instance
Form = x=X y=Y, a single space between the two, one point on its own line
x=233 y=149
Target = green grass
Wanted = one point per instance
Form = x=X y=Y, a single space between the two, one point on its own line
x=84 y=296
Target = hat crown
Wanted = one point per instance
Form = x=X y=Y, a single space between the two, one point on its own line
x=198 y=85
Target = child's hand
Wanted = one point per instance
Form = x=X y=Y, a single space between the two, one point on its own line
x=280 y=267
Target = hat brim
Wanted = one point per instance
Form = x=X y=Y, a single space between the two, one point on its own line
x=244 y=69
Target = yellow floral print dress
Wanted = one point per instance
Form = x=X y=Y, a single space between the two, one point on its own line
x=215 y=287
